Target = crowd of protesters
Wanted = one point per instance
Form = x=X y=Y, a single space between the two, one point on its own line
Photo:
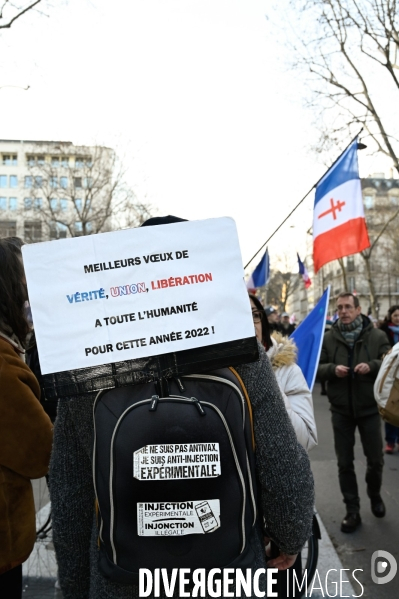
x=283 y=422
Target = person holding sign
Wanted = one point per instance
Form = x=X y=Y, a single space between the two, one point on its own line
x=181 y=504
x=295 y=391
x=25 y=429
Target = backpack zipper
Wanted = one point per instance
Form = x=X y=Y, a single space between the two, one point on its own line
x=185 y=400
x=238 y=469
x=219 y=379
x=94 y=464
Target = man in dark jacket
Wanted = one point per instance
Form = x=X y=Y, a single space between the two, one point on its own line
x=349 y=362
x=286 y=327
x=272 y=317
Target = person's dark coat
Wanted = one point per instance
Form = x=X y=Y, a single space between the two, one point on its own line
x=32 y=360
x=352 y=395
x=385 y=327
x=288 y=330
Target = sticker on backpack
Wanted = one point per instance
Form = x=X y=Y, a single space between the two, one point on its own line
x=177 y=461
x=178 y=518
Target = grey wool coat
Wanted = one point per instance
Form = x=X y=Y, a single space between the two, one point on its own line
x=283 y=470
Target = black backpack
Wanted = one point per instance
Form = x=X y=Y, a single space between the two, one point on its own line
x=174 y=475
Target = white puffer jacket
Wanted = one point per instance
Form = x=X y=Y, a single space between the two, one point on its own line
x=295 y=391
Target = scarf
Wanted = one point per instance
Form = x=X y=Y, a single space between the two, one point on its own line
x=394 y=330
x=350 y=332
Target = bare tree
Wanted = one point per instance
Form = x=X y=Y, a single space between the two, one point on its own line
x=382 y=227
x=352 y=62
x=343 y=270
x=281 y=286
x=80 y=191
x=9 y=12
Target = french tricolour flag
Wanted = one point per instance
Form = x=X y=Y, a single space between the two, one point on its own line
x=260 y=275
x=339 y=226
x=303 y=271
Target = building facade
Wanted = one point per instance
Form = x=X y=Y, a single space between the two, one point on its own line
x=54 y=189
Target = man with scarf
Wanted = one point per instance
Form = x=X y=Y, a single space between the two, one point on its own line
x=349 y=363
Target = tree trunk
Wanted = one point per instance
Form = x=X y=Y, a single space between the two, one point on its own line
x=341 y=263
x=372 y=294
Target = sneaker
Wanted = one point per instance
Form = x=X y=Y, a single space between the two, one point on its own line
x=389 y=448
x=351 y=522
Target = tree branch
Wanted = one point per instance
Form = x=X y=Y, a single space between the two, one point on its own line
x=8 y=25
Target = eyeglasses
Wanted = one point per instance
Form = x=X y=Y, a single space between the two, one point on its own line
x=257 y=316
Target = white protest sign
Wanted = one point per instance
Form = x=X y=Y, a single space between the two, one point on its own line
x=136 y=293
x=177 y=518
x=177 y=461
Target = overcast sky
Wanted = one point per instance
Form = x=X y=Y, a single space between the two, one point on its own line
x=193 y=92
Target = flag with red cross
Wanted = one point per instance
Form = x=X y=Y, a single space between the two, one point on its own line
x=339 y=226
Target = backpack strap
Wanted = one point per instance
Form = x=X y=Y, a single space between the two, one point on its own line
x=244 y=389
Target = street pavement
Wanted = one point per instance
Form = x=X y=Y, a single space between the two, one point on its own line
x=337 y=551
x=355 y=550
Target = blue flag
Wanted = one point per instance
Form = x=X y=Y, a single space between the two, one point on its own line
x=260 y=275
x=308 y=338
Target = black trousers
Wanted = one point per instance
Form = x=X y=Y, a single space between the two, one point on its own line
x=11 y=583
x=344 y=439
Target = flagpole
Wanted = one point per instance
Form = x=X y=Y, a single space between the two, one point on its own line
x=303 y=199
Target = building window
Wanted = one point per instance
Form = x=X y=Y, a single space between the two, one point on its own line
x=54 y=204
x=3 y=181
x=13 y=181
x=28 y=203
x=38 y=181
x=78 y=204
x=3 y=203
x=55 y=161
x=65 y=161
x=32 y=160
x=37 y=204
x=64 y=182
x=8 y=228
x=63 y=205
x=13 y=203
x=394 y=200
x=79 y=162
x=10 y=160
x=32 y=231
x=54 y=182
x=58 y=231
x=350 y=264
x=369 y=202
x=88 y=182
x=351 y=284
x=78 y=182
x=28 y=182
x=78 y=228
